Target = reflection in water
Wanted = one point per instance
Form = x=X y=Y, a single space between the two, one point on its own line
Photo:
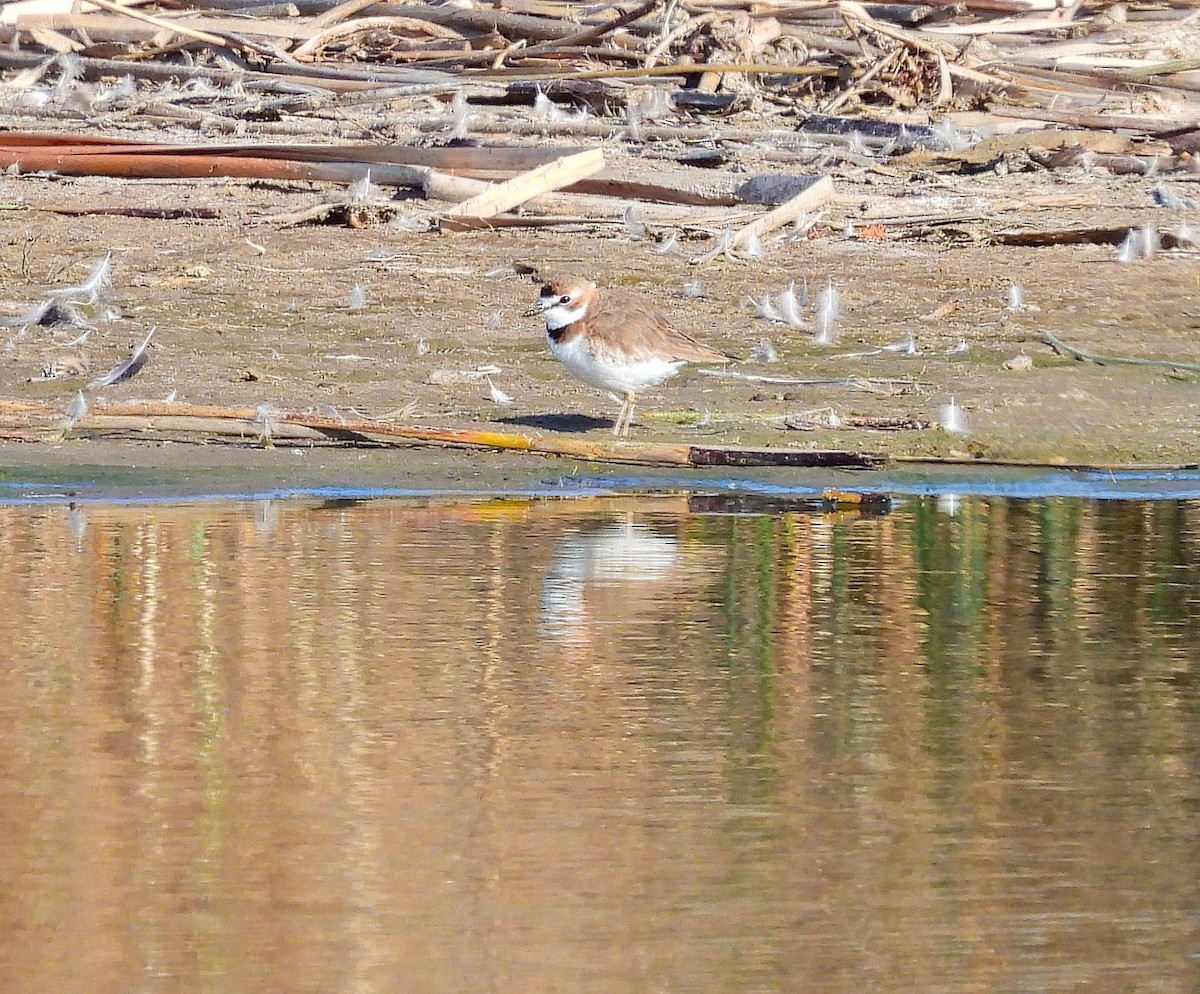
x=599 y=746
x=949 y=503
x=624 y=558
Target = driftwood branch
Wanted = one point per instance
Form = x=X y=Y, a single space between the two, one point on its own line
x=151 y=418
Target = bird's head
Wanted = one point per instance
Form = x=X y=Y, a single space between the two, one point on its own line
x=564 y=301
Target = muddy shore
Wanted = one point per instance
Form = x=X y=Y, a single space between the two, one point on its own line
x=252 y=312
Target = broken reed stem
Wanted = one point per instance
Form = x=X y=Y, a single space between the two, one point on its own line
x=854 y=88
x=929 y=47
x=684 y=30
x=308 y=51
x=760 y=68
x=1101 y=122
x=591 y=34
x=341 y=12
x=159 y=22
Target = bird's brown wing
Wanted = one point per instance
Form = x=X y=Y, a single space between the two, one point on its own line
x=627 y=322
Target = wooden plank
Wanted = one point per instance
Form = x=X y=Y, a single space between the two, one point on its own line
x=512 y=193
x=568 y=207
x=806 y=200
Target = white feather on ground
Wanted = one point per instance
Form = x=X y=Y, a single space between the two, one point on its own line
x=126 y=368
x=98 y=280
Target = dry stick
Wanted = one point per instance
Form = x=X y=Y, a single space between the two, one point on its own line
x=494 y=59
x=1161 y=68
x=135 y=164
x=160 y=22
x=761 y=68
x=149 y=416
x=484 y=162
x=1111 y=360
x=591 y=34
x=929 y=47
x=336 y=31
x=1006 y=26
x=855 y=32
x=684 y=30
x=150 y=213
x=482 y=20
x=340 y=12
x=945 y=83
x=862 y=80
x=591 y=128
x=514 y=192
x=1068 y=80
x=477 y=88
x=1100 y=122
x=279 y=80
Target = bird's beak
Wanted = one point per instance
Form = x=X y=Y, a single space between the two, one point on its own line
x=534 y=311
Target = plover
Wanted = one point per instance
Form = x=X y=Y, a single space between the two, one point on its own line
x=615 y=341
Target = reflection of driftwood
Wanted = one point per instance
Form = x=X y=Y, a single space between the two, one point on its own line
x=161 y=419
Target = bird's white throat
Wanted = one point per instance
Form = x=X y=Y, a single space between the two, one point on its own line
x=560 y=315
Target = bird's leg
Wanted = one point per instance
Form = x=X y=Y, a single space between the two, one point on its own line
x=630 y=403
x=620 y=417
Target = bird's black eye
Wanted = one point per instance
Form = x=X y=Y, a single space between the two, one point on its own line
x=564 y=299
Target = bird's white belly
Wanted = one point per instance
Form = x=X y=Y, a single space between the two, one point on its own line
x=605 y=374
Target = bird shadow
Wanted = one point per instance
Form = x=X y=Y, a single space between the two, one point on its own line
x=571 y=423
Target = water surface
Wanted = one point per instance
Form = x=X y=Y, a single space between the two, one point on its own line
x=599 y=745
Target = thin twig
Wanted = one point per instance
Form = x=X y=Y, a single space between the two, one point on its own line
x=862 y=80
x=160 y=22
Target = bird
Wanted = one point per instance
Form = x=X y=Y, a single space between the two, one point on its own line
x=615 y=341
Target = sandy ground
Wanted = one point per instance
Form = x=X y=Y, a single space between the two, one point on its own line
x=244 y=325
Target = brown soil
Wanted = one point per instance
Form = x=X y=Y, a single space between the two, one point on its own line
x=236 y=326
